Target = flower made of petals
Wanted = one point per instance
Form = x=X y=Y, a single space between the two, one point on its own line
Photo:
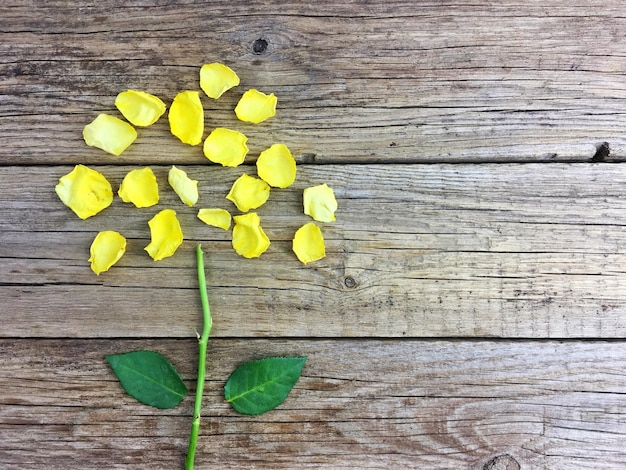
x=109 y=133
x=226 y=147
x=139 y=107
x=217 y=78
x=255 y=106
x=320 y=203
x=140 y=187
x=216 y=217
x=276 y=166
x=186 y=117
x=308 y=243
x=185 y=187
x=248 y=192
x=85 y=191
x=249 y=240
x=165 y=233
x=106 y=250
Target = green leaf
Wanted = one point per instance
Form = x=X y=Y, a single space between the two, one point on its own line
x=260 y=386
x=149 y=377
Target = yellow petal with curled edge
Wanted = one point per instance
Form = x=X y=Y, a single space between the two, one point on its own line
x=185 y=187
x=320 y=203
x=216 y=217
x=226 y=147
x=256 y=107
x=248 y=192
x=186 y=117
x=85 y=191
x=109 y=133
x=106 y=250
x=217 y=78
x=165 y=233
x=249 y=240
x=308 y=243
x=139 y=107
x=140 y=187
x=276 y=166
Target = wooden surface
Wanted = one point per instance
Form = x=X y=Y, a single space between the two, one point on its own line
x=470 y=312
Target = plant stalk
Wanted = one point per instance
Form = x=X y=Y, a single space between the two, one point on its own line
x=203 y=341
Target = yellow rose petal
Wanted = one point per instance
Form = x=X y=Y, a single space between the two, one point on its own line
x=276 y=166
x=256 y=107
x=106 y=250
x=109 y=133
x=248 y=192
x=320 y=203
x=217 y=78
x=139 y=107
x=166 y=235
x=140 y=187
x=186 y=117
x=249 y=240
x=185 y=187
x=226 y=146
x=85 y=191
x=216 y=217
x=308 y=243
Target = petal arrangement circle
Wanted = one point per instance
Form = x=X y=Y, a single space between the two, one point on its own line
x=87 y=192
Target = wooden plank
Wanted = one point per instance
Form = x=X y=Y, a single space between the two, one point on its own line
x=359 y=404
x=530 y=251
x=359 y=81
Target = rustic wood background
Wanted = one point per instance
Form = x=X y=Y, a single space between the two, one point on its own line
x=470 y=312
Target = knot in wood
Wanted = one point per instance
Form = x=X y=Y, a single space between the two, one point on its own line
x=259 y=46
x=602 y=152
x=502 y=462
x=349 y=282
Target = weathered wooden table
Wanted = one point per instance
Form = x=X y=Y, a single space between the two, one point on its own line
x=470 y=311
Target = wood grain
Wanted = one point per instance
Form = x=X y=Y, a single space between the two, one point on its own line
x=411 y=404
x=472 y=147
x=438 y=250
x=356 y=81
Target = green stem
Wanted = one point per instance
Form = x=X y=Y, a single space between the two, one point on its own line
x=203 y=341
